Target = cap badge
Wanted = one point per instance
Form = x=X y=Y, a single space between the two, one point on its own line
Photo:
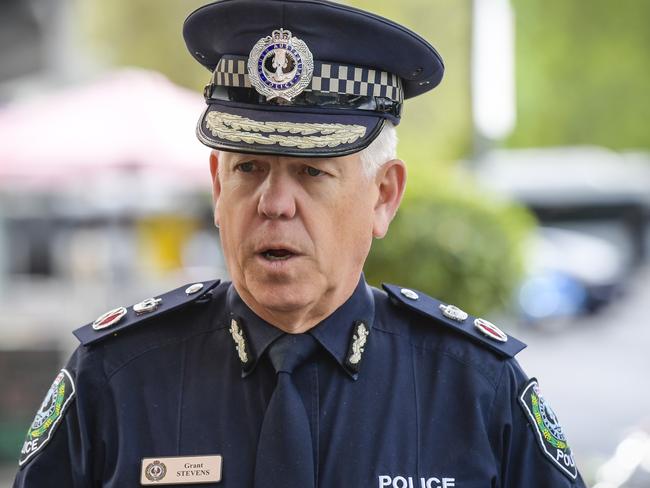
x=490 y=330
x=454 y=313
x=111 y=317
x=280 y=65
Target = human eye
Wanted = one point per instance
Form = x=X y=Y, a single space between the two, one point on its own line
x=245 y=167
x=313 y=172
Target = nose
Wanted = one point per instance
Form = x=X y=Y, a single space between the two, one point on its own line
x=277 y=199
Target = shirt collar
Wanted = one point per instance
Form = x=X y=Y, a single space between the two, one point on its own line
x=343 y=334
x=251 y=334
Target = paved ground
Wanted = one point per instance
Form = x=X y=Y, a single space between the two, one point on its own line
x=6 y=476
x=593 y=371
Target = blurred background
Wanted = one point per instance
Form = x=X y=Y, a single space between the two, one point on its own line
x=528 y=200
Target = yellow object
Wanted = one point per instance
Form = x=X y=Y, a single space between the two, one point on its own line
x=161 y=239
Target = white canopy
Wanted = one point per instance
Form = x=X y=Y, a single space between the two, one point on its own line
x=127 y=121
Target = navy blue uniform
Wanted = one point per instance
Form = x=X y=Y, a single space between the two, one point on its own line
x=426 y=406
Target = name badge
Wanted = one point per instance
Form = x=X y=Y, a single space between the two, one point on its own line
x=178 y=470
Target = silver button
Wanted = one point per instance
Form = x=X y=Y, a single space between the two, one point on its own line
x=195 y=288
x=409 y=294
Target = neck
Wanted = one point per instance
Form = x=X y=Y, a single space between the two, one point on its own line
x=297 y=320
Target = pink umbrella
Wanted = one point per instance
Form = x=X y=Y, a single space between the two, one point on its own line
x=127 y=120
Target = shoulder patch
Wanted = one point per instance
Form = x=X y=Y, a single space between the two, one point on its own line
x=116 y=320
x=49 y=416
x=547 y=429
x=477 y=329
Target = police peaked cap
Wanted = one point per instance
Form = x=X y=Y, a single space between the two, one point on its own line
x=307 y=78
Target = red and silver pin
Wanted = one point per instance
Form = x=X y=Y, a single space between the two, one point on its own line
x=111 y=317
x=490 y=330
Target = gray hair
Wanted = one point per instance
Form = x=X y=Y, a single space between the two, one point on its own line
x=380 y=151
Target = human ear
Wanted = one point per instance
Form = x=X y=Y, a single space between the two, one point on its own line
x=391 y=182
x=216 y=184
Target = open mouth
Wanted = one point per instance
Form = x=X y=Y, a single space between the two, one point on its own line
x=277 y=254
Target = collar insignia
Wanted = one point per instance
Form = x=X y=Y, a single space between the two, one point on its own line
x=360 y=334
x=280 y=66
x=453 y=313
x=240 y=342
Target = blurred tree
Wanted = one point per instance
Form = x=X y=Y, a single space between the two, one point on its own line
x=455 y=242
x=437 y=127
x=144 y=33
x=583 y=73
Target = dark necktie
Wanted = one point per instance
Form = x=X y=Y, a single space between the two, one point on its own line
x=285 y=450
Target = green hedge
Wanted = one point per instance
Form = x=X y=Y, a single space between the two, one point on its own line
x=455 y=242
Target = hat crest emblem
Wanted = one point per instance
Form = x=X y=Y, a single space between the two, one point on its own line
x=280 y=65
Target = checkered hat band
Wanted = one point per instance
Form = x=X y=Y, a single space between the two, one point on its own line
x=327 y=77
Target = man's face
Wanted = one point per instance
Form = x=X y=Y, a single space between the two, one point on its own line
x=295 y=231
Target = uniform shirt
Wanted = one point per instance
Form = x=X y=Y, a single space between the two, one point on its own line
x=425 y=407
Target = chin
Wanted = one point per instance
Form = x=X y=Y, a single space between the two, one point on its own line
x=282 y=296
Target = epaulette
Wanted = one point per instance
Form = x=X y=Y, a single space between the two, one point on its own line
x=115 y=321
x=477 y=329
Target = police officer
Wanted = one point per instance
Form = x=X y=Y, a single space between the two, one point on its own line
x=297 y=373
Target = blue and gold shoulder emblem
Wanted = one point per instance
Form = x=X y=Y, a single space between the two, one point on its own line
x=547 y=428
x=49 y=416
